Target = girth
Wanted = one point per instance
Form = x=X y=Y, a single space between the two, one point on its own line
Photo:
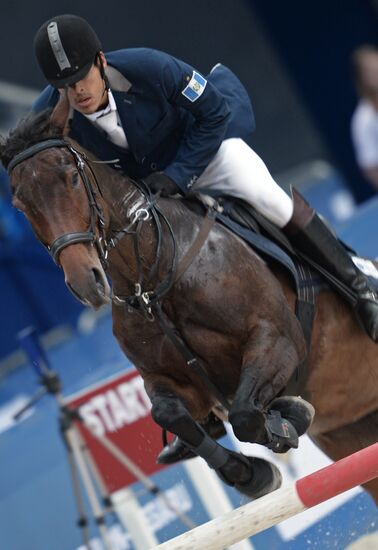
x=273 y=244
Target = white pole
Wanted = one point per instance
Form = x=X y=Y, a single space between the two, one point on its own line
x=240 y=523
x=279 y=505
x=211 y=493
x=131 y=514
x=98 y=512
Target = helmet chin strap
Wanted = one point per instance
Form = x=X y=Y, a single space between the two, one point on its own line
x=105 y=90
x=101 y=68
x=102 y=73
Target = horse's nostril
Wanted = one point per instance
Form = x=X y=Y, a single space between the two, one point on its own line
x=90 y=287
x=99 y=279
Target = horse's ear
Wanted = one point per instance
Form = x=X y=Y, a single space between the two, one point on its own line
x=3 y=158
x=60 y=114
x=2 y=142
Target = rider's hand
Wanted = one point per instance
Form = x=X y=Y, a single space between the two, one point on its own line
x=158 y=181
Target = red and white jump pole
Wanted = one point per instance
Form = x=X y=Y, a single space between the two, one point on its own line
x=282 y=504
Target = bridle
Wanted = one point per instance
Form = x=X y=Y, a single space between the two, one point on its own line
x=97 y=224
x=96 y=229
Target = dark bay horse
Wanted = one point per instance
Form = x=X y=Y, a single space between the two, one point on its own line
x=232 y=310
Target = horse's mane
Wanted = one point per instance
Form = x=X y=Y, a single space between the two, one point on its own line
x=37 y=127
x=32 y=129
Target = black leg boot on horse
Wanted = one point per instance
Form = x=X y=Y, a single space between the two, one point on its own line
x=288 y=418
x=176 y=450
x=309 y=234
x=254 y=477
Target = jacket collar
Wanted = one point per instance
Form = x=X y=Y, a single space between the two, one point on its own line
x=117 y=82
x=120 y=87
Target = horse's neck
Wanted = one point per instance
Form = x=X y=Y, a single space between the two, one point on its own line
x=121 y=196
x=121 y=199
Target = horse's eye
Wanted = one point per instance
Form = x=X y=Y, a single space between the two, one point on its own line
x=75 y=178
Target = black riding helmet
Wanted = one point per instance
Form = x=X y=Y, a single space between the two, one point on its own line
x=66 y=47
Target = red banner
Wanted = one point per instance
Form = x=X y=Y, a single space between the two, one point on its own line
x=119 y=409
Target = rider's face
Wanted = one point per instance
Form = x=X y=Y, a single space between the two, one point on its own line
x=89 y=94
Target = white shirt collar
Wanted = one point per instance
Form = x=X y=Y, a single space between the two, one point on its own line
x=111 y=106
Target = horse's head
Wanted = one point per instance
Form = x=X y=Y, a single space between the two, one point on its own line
x=59 y=196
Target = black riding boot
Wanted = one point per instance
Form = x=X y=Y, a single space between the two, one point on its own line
x=308 y=233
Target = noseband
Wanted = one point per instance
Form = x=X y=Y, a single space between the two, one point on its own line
x=97 y=220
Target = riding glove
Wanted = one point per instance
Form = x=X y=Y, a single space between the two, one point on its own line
x=158 y=181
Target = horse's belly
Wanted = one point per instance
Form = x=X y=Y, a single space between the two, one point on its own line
x=343 y=386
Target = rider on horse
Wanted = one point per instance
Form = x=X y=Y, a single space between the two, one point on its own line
x=180 y=131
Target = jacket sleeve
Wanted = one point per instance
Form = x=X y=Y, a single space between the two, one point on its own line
x=187 y=88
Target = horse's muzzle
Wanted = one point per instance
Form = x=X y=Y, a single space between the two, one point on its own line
x=94 y=291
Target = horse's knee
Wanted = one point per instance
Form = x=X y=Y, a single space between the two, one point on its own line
x=248 y=424
x=169 y=412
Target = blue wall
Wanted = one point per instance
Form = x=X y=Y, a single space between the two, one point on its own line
x=32 y=286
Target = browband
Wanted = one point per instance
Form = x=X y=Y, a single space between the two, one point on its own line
x=34 y=149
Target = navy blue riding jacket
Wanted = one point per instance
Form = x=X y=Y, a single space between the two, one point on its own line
x=174 y=118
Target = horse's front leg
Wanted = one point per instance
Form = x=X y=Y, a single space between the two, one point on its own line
x=269 y=360
x=253 y=477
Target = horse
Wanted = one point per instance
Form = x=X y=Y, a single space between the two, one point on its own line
x=204 y=319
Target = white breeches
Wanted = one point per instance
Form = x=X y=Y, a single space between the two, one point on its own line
x=236 y=170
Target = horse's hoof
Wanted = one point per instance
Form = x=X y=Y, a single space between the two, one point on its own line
x=299 y=412
x=266 y=478
x=174 y=452
x=288 y=418
x=263 y=476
